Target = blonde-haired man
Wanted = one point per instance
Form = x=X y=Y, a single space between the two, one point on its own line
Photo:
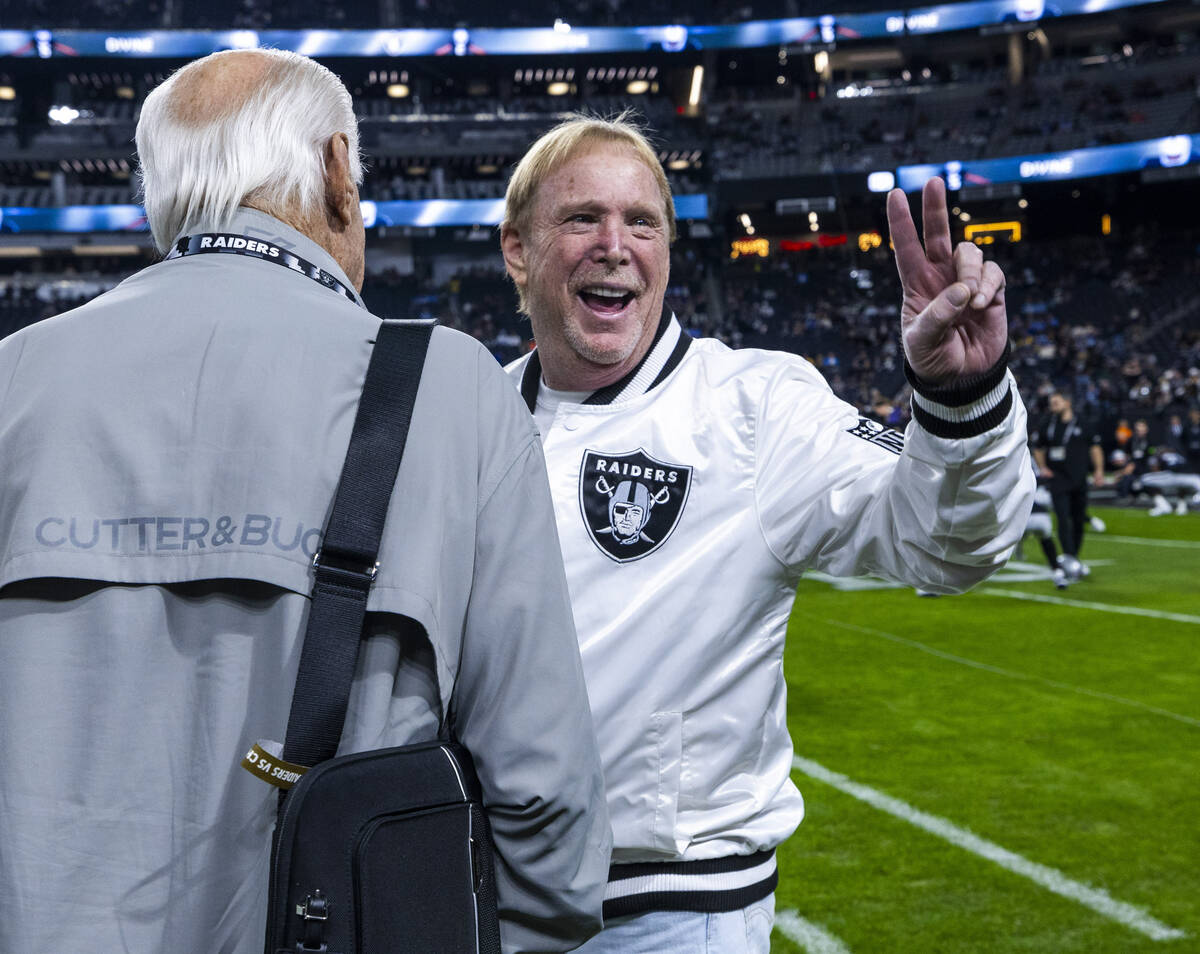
x=692 y=487
x=170 y=454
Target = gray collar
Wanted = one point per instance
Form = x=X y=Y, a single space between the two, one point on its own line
x=266 y=228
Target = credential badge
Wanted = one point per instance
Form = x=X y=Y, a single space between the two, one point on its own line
x=631 y=502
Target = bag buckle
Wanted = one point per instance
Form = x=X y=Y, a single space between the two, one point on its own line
x=343 y=569
x=315 y=912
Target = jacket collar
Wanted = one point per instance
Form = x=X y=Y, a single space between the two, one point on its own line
x=666 y=351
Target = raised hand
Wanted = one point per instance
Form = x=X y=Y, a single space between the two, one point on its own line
x=953 y=322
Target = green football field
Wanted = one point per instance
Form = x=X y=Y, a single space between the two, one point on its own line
x=1015 y=769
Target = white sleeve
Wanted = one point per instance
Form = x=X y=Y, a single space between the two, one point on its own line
x=842 y=494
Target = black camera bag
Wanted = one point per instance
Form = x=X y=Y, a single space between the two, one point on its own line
x=386 y=851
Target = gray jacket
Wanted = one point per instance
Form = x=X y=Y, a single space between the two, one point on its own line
x=169 y=453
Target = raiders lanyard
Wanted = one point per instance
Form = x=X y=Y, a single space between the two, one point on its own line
x=212 y=242
x=1067 y=434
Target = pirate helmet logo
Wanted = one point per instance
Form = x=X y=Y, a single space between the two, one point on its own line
x=631 y=502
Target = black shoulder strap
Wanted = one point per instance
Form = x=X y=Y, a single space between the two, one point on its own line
x=345 y=564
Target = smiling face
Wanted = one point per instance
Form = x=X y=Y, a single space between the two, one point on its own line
x=592 y=257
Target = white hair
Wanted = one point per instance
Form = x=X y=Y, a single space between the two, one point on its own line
x=270 y=147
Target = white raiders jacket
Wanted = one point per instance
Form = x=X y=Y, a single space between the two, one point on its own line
x=690 y=497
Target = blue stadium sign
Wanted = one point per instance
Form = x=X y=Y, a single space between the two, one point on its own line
x=427 y=214
x=824 y=30
x=1163 y=153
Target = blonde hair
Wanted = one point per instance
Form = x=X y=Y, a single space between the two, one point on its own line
x=267 y=146
x=562 y=143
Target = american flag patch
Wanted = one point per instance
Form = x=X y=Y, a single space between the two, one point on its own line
x=876 y=433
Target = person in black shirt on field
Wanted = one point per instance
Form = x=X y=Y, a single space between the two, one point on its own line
x=1063 y=447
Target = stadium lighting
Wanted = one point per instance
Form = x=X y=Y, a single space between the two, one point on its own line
x=677 y=164
x=83 y=250
x=398 y=90
x=63 y=115
x=559 y=88
x=883 y=181
x=561 y=26
x=637 y=87
x=1023 y=204
x=7 y=92
x=989 y=230
x=739 y=247
x=821 y=62
x=697 y=85
x=243 y=40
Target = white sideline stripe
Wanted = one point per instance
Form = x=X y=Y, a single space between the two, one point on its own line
x=1012 y=673
x=713 y=881
x=812 y=937
x=1085 y=604
x=1151 y=542
x=1049 y=878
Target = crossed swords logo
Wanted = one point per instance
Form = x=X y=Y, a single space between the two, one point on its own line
x=630 y=533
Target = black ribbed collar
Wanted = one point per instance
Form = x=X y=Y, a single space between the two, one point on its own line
x=532 y=376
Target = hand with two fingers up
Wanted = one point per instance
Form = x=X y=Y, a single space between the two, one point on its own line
x=953 y=320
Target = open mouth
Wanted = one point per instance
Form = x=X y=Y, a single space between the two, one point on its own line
x=606 y=301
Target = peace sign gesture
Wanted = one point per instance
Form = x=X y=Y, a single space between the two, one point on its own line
x=953 y=322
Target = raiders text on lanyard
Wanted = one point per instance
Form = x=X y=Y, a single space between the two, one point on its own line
x=210 y=242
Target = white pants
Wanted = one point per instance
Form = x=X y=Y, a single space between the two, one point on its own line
x=1169 y=482
x=746 y=931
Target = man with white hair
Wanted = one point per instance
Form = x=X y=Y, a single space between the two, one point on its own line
x=747 y=470
x=170 y=454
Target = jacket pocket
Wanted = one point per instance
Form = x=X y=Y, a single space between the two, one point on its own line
x=667 y=728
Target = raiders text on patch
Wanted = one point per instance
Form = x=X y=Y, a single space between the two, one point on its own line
x=631 y=502
x=876 y=433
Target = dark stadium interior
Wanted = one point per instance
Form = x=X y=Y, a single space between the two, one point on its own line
x=1102 y=285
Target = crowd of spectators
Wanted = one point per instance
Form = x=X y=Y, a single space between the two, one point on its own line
x=1115 y=323
x=413 y=14
x=744 y=132
x=1063 y=103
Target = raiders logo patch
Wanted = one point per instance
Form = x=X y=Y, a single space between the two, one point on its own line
x=631 y=502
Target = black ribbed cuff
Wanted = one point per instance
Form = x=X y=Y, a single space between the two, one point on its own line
x=940 y=427
x=963 y=390
x=954 y=401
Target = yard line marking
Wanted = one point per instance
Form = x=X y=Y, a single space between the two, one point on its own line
x=1051 y=879
x=812 y=937
x=1012 y=673
x=1085 y=604
x=1151 y=542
